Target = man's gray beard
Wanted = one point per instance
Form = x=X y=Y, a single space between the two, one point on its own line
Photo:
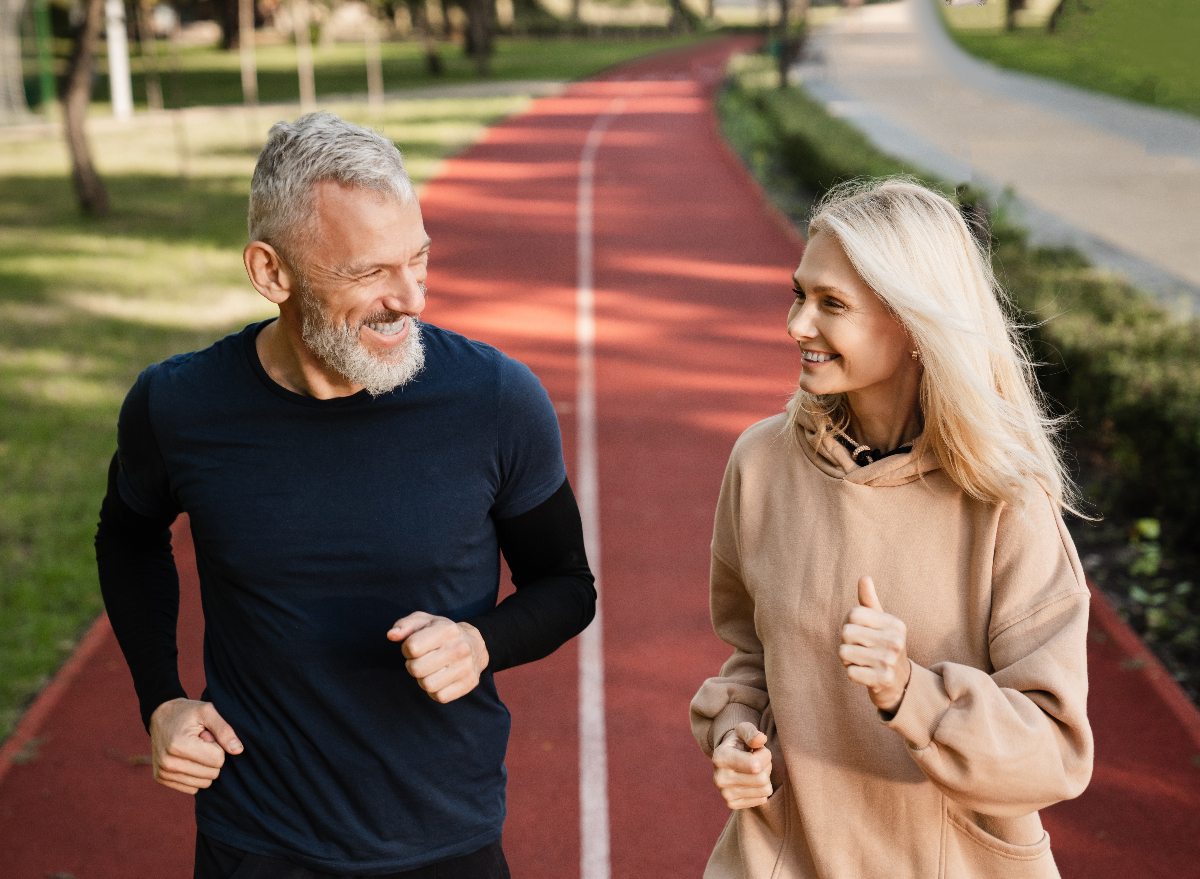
x=340 y=348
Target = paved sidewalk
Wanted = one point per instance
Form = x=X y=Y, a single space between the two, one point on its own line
x=1118 y=180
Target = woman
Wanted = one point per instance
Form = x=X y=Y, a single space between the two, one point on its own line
x=907 y=611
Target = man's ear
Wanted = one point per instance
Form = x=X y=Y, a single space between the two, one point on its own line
x=268 y=272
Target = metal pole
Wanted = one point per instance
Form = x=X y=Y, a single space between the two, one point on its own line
x=119 y=85
x=41 y=23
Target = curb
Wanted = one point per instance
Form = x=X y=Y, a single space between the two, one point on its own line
x=45 y=702
x=1153 y=671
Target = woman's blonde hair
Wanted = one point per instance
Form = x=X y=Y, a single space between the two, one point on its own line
x=984 y=416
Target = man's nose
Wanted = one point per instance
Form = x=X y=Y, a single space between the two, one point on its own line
x=407 y=294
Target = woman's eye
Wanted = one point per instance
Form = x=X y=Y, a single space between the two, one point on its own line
x=799 y=295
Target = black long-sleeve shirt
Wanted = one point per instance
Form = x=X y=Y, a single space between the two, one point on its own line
x=555 y=595
x=317 y=524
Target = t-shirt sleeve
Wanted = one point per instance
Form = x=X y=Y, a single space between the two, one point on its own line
x=142 y=480
x=530 y=447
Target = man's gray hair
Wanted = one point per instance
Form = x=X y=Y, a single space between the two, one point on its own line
x=317 y=146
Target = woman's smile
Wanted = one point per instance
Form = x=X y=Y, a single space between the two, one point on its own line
x=817 y=356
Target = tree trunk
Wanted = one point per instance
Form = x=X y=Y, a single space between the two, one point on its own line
x=790 y=45
x=1010 y=14
x=419 y=11
x=304 y=60
x=230 y=24
x=481 y=32
x=89 y=188
x=246 y=53
x=1052 y=21
x=145 y=27
x=679 y=22
x=784 y=42
x=12 y=85
x=374 y=67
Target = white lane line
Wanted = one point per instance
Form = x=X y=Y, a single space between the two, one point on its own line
x=594 y=861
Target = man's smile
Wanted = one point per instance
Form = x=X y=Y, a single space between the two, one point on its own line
x=389 y=329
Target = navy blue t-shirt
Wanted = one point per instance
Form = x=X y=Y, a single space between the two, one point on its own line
x=317 y=524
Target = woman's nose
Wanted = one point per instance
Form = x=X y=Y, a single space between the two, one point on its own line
x=801 y=327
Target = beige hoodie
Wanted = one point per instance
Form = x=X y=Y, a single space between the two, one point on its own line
x=993 y=724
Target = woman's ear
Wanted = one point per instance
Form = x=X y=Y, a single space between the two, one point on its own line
x=268 y=272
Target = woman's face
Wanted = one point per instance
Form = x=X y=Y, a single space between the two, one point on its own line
x=850 y=342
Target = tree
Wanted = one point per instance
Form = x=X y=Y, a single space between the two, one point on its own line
x=143 y=9
x=790 y=44
x=12 y=85
x=481 y=33
x=419 y=14
x=1010 y=15
x=89 y=188
x=679 y=22
x=231 y=24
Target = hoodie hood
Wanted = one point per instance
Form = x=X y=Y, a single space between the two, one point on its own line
x=832 y=459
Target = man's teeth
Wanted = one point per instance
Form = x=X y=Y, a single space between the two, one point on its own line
x=388 y=329
x=815 y=357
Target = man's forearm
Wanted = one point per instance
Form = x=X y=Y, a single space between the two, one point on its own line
x=141 y=594
x=556 y=593
x=536 y=620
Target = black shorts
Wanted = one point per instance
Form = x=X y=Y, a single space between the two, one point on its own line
x=216 y=860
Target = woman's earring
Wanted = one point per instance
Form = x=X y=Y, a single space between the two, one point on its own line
x=914 y=355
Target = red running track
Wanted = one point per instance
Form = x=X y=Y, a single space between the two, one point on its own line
x=692 y=285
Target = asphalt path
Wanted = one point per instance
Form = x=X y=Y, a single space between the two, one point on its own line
x=608 y=238
x=1116 y=179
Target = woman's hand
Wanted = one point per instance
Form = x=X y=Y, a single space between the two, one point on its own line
x=873 y=649
x=742 y=767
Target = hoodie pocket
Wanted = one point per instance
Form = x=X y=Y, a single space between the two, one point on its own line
x=970 y=852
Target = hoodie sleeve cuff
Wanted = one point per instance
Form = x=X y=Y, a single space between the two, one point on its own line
x=925 y=703
x=731 y=715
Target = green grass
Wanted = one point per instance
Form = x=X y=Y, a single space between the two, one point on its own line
x=1143 y=50
x=86 y=304
x=205 y=76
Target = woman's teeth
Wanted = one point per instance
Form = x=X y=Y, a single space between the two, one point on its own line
x=388 y=329
x=817 y=357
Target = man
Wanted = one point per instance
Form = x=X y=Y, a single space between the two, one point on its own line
x=351 y=477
